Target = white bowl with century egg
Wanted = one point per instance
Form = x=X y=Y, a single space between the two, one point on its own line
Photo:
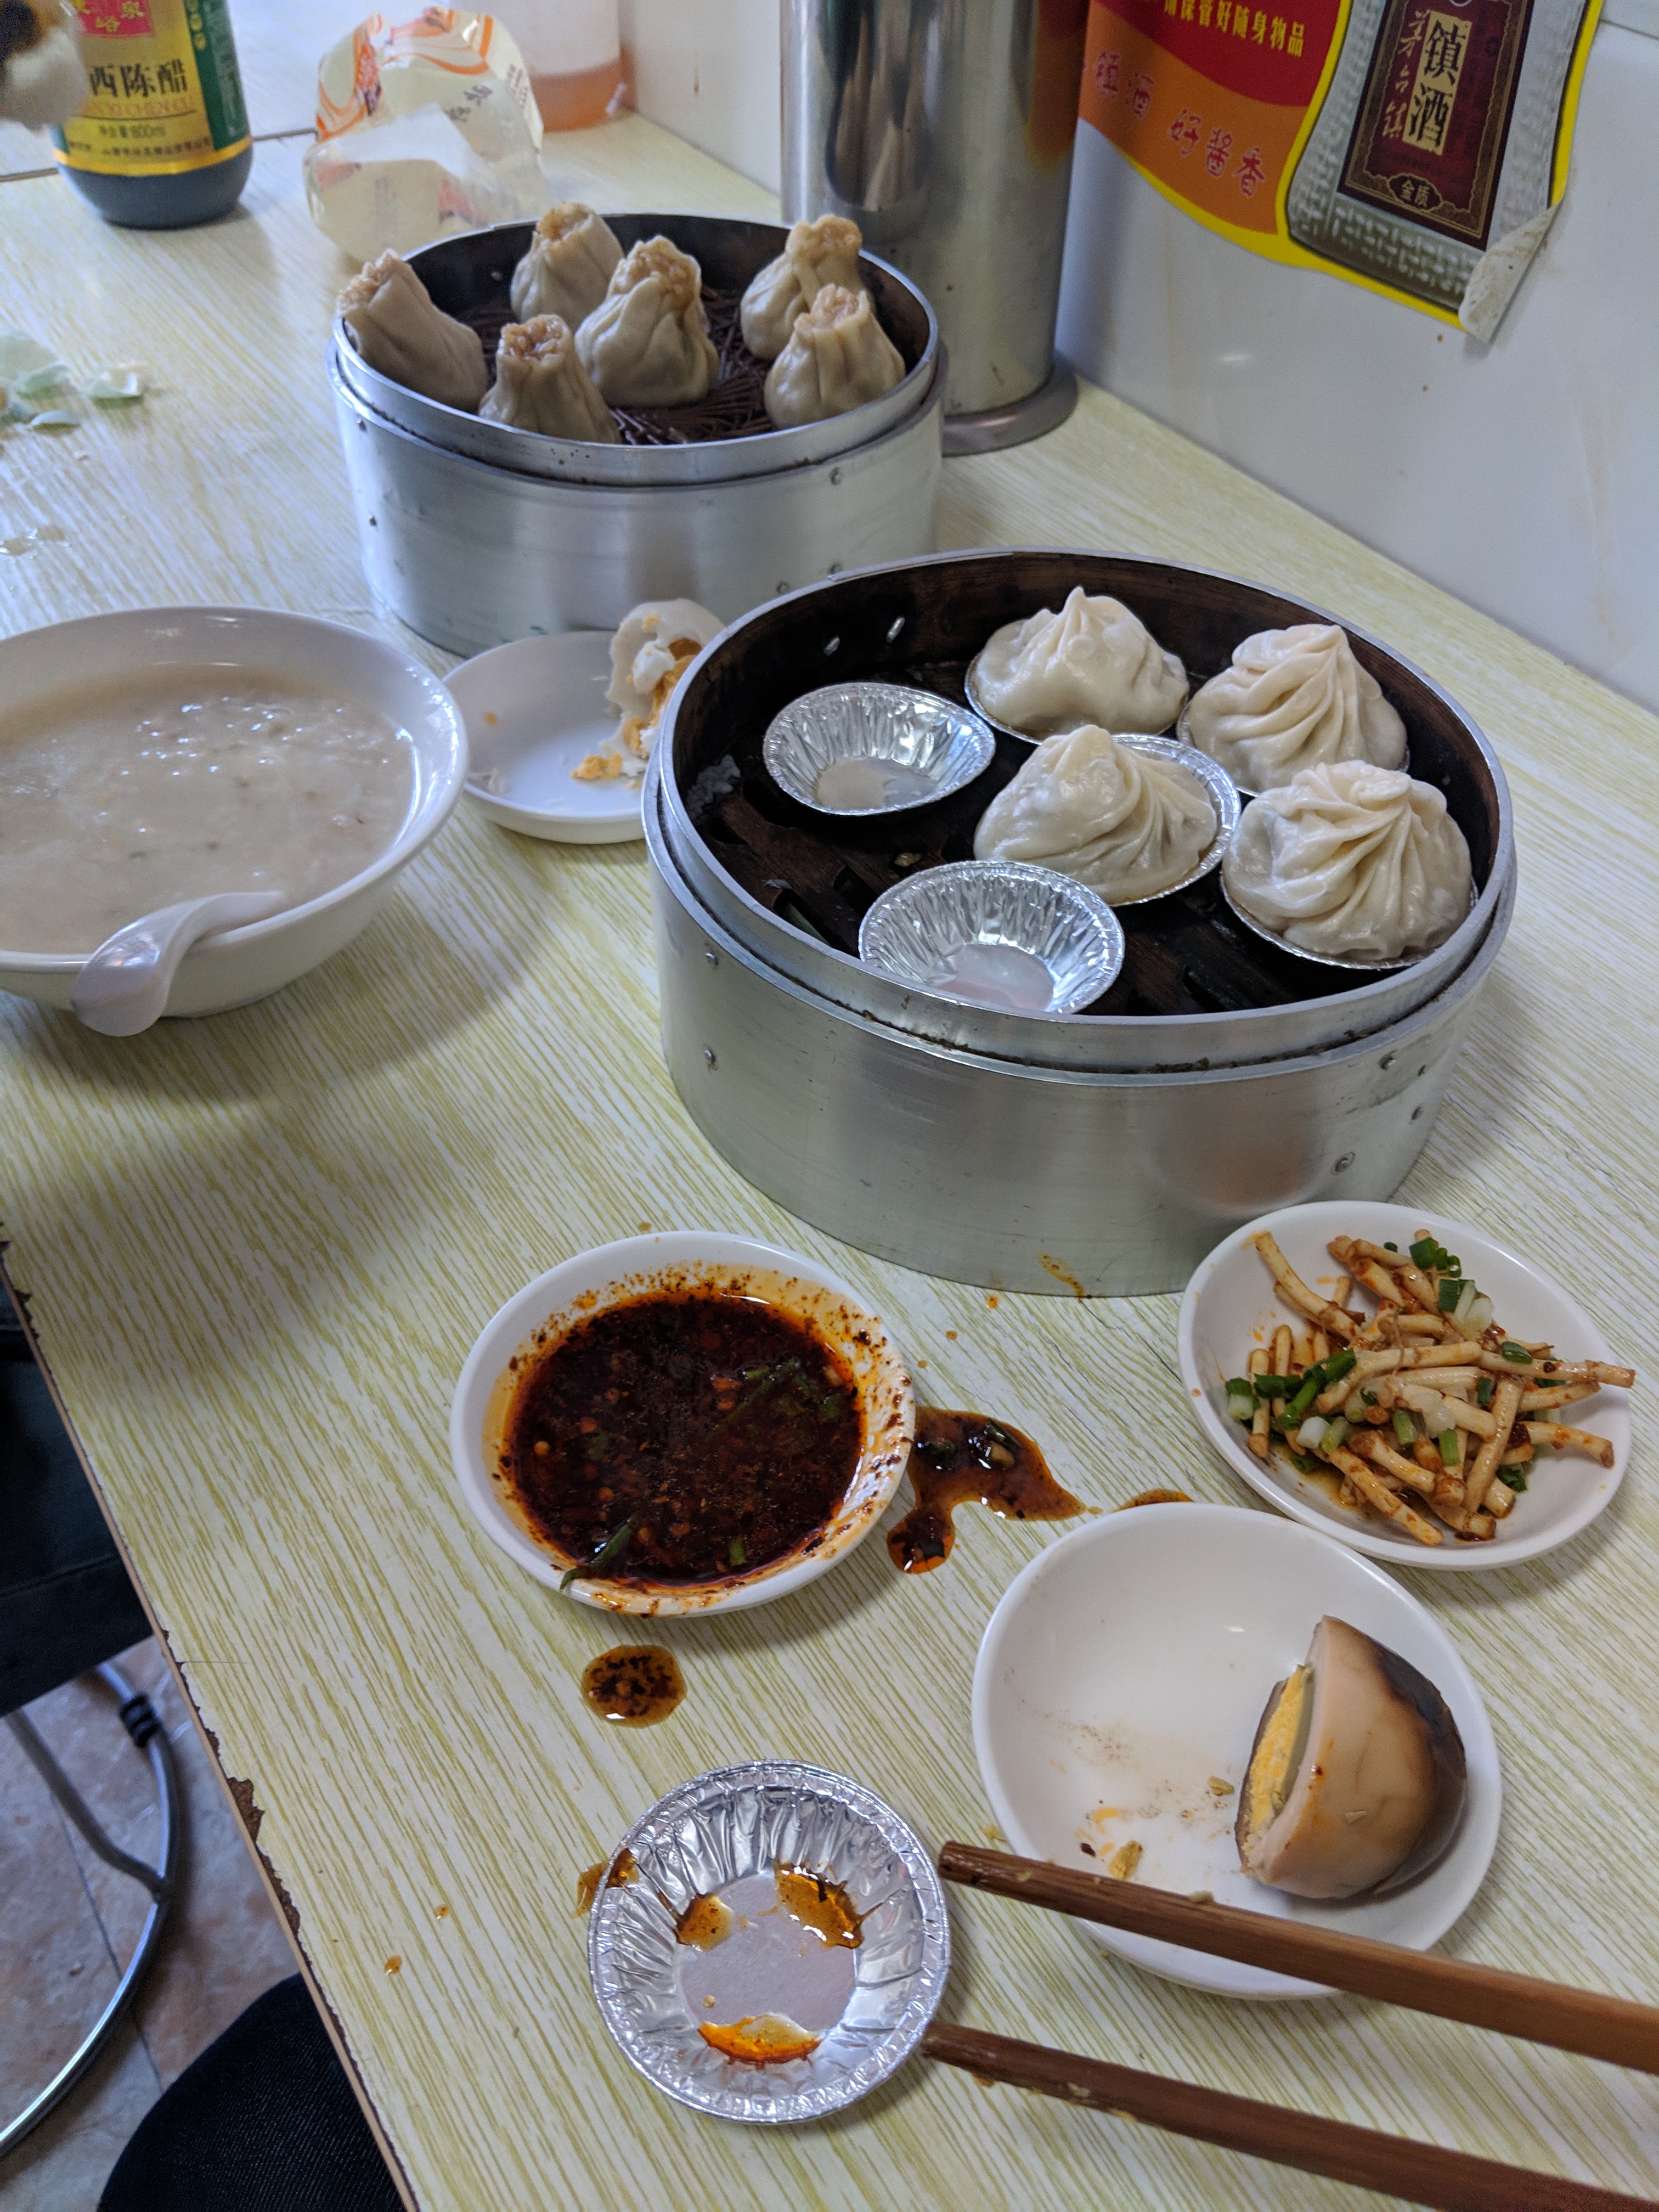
x=383 y=764
x=550 y=1310
x=1116 y=1697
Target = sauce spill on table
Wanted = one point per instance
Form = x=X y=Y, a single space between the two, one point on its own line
x=958 y=1457
x=625 y=1870
x=1155 y=1497
x=635 y=1684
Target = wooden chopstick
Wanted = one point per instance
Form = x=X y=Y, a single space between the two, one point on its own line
x=1448 y=2179
x=1483 y=1997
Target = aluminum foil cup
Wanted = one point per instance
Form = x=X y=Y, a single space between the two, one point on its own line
x=1223 y=794
x=1067 y=926
x=880 y=721
x=1322 y=959
x=971 y=684
x=721 y=1829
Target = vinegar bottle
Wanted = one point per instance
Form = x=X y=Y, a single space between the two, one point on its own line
x=162 y=141
x=573 y=53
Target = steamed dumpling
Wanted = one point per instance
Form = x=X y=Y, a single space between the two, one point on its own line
x=1352 y=861
x=567 y=266
x=838 y=357
x=1125 y=823
x=1292 y=699
x=816 y=254
x=401 y=333
x=540 y=385
x=1093 y=662
x=647 y=343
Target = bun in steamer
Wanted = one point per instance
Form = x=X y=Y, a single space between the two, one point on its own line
x=540 y=385
x=1292 y=699
x=1094 y=661
x=1352 y=862
x=1126 y=823
x=647 y=343
x=568 y=265
x=837 y=357
x=400 y=333
x=816 y=254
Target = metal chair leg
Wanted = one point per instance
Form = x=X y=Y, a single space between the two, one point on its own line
x=138 y=1717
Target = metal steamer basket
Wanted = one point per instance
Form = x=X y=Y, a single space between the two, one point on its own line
x=1100 y=1152
x=476 y=533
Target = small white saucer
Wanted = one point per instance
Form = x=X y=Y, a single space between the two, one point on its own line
x=534 y=709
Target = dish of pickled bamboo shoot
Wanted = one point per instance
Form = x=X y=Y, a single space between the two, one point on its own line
x=1405 y=1383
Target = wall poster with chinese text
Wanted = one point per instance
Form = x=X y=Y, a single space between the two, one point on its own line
x=1419 y=146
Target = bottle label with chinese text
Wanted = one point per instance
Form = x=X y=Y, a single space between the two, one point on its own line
x=165 y=95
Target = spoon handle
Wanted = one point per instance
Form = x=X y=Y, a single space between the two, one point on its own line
x=122 y=988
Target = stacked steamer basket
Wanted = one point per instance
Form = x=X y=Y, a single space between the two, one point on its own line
x=1100 y=1152
x=478 y=533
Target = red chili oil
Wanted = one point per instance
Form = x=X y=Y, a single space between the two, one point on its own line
x=682 y=1436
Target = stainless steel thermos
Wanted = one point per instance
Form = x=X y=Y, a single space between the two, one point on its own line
x=944 y=129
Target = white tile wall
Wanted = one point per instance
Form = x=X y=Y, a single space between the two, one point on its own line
x=710 y=71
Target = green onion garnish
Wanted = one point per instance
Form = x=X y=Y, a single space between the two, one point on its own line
x=736 y=1551
x=612 y=1549
x=1483 y=1390
x=1451 y=1454
x=1513 y=1478
x=1241 y=1399
x=1517 y=1354
x=1404 y=1434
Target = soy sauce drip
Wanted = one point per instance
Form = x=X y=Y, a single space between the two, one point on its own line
x=961 y=1457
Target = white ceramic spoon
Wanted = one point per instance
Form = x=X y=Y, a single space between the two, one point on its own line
x=123 y=988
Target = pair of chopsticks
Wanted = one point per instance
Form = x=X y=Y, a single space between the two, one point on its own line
x=1514 y=2004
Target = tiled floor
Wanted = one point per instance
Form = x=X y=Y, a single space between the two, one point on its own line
x=66 y=1920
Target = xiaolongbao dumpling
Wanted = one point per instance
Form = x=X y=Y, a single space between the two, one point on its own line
x=540 y=385
x=1093 y=662
x=647 y=343
x=1352 y=861
x=838 y=357
x=400 y=333
x=1292 y=699
x=1125 y=823
x=816 y=254
x=567 y=266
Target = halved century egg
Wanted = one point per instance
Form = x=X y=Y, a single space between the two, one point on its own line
x=1357 y=1775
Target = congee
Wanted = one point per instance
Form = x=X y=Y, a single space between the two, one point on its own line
x=132 y=793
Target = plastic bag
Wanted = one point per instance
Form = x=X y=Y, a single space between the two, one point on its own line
x=423 y=128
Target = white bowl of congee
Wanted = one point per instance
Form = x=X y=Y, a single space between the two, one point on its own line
x=170 y=753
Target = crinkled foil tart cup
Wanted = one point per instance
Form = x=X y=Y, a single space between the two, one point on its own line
x=1067 y=926
x=879 y=721
x=734 y=1824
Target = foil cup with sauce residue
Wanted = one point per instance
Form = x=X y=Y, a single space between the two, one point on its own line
x=922 y=921
x=886 y=722
x=735 y=1826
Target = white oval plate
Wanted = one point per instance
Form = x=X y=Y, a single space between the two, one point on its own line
x=533 y=710
x=1130 y=1662
x=611 y=1274
x=1232 y=1295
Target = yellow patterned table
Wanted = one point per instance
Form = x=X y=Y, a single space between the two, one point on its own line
x=259 y=1247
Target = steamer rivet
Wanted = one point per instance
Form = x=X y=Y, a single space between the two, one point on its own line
x=711 y=956
x=834 y=475
x=1343 y=1164
x=1389 y=1059
x=894 y=628
x=708 y=1054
